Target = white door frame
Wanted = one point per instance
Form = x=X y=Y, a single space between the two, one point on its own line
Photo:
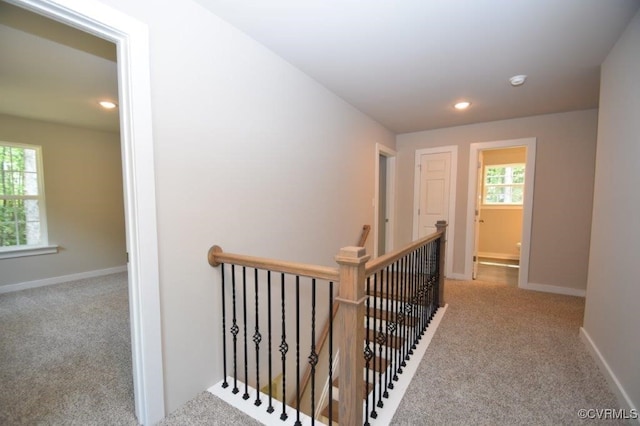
x=132 y=40
x=453 y=150
x=390 y=155
x=527 y=204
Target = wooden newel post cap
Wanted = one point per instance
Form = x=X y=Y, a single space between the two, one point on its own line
x=352 y=256
x=211 y=255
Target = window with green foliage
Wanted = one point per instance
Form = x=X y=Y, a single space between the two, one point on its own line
x=503 y=184
x=22 y=212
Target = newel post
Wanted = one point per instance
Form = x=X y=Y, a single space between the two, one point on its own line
x=351 y=331
x=441 y=226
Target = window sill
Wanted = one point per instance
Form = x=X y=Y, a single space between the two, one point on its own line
x=501 y=207
x=23 y=251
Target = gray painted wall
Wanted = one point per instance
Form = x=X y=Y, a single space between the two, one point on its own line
x=613 y=291
x=83 y=190
x=250 y=154
x=563 y=194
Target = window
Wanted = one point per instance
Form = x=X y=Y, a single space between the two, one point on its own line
x=503 y=184
x=23 y=223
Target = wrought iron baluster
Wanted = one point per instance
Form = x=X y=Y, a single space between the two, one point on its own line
x=399 y=319
x=405 y=334
x=297 y=423
x=234 y=331
x=368 y=354
x=225 y=384
x=382 y=340
x=284 y=348
x=408 y=308
x=257 y=338
x=390 y=332
x=412 y=298
x=330 y=353
x=373 y=331
x=270 y=409
x=313 y=356
x=246 y=351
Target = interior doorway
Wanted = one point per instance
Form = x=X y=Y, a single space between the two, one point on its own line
x=499 y=200
x=131 y=38
x=500 y=204
x=384 y=201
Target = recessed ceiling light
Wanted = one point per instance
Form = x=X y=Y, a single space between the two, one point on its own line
x=107 y=104
x=518 y=80
x=462 y=105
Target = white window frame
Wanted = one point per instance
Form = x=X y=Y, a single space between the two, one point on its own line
x=512 y=185
x=43 y=246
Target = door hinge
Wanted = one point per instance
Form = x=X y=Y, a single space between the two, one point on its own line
x=127 y=257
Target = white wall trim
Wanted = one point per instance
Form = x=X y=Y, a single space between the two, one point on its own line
x=546 y=288
x=453 y=150
x=390 y=154
x=61 y=279
x=527 y=205
x=132 y=39
x=458 y=277
x=614 y=383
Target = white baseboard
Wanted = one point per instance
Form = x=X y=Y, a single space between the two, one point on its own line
x=460 y=277
x=61 y=279
x=504 y=256
x=614 y=383
x=546 y=288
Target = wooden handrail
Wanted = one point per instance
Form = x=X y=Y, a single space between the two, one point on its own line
x=381 y=262
x=364 y=235
x=216 y=257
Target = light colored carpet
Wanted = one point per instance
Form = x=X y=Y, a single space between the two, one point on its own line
x=65 y=354
x=501 y=356
x=505 y=356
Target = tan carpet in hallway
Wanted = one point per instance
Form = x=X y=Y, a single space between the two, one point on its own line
x=505 y=356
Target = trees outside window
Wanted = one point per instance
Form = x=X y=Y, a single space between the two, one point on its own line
x=503 y=184
x=22 y=209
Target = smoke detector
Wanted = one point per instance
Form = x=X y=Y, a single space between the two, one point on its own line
x=518 y=80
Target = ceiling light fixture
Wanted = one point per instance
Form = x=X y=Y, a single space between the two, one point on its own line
x=518 y=80
x=107 y=104
x=462 y=105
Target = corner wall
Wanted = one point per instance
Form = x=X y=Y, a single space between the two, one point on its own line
x=83 y=191
x=562 y=199
x=611 y=319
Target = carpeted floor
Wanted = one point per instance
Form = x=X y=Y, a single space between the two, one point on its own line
x=65 y=354
x=501 y=356
x=505 y=356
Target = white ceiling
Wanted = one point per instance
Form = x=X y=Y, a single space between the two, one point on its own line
x=403 y=62
x=406 y=62
x=52 y=72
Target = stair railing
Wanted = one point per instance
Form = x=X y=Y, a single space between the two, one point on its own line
x=411 y=280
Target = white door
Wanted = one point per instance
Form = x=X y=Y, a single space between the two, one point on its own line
x=435 y=182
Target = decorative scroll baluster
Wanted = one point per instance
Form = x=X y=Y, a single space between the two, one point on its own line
x=374 y=414
x=331 y=353
x=257 y=338
x=225 y=384
x=399 y=319
x=297 y=423
x=246 y=350
x=391 y=326
x=413 y=292
x=270 y=409
x=313 y=356
x=407 y=310
x=368 y=353
x=284 y=348
x=234 y=331
x=382 y=341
